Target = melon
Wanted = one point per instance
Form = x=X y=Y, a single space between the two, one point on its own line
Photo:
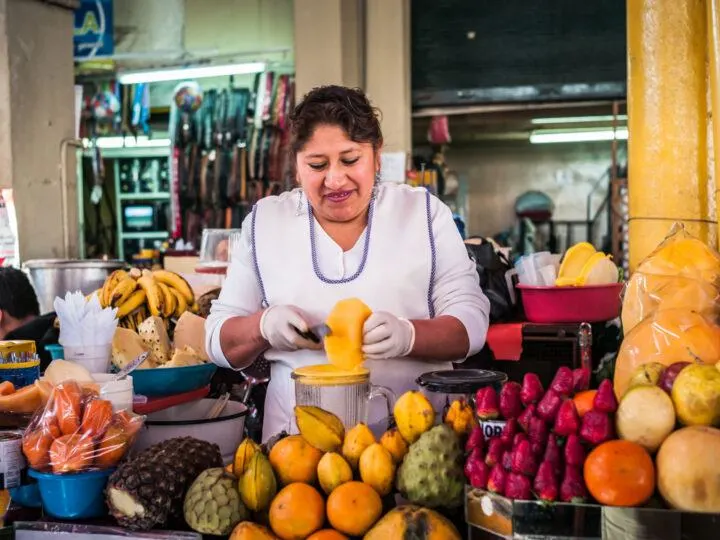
x=669 y=336
x=688 y=476
x=696 y=395
x=645 y=416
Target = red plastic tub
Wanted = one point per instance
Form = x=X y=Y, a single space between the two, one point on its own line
x=595 y=303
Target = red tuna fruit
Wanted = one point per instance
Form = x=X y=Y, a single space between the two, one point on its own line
x=548 y=407
x=524 y=418
x=523 y=460
x=567 y=421
x=574 y=451
x=596 y=427
x=581 y=380
x=476 y=439
x=509 y=432
x=532 y=389
x=572 y=488
x=546 y=482
x=510 y=404
x=605 y=400
x=562 y=383
x=486 y=403
x=517 y=487
x=494 y=453
x=496 y=480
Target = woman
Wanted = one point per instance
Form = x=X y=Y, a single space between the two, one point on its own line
x=341 y=235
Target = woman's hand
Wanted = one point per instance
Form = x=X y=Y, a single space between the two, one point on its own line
x=387 y=336
x=279 y=325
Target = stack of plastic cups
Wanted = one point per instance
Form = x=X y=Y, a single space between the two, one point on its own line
x=96 y=358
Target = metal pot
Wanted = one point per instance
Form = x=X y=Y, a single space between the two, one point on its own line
x=55 y=277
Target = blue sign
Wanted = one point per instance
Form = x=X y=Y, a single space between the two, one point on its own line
x=93 y=33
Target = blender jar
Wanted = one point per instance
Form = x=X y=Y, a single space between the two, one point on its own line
x=347 y=394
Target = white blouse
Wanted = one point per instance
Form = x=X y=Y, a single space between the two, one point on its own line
x=415 y=266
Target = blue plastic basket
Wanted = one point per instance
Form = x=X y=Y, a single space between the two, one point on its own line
x=56 y=351
x=73 y=496
x=169 y=381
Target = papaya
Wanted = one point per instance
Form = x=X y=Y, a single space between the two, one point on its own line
x=333 y=471
x=344 y=344
x=414 y=415
x=395 y=444
x=377 y=469
x=258 y=485
x=415 y=522
x=96 y=417
x=26 y=400
x=321 y=428
x=6 y=388
x=247 y=530
x=356 y=441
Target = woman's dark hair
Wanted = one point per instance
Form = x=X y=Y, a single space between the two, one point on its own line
x=347 y=108
x=17 y=296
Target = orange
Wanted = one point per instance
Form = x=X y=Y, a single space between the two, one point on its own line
x=294 y=460
x=584 y=401
x=353 y=508
x=620 y=473
x=297 y=512
x=327 y=534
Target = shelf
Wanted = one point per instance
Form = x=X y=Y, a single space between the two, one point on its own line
x=143 y=196
x=141 y=235
x=130 y=152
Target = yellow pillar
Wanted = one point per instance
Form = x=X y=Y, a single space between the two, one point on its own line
x=667 y=121
x=713 y=16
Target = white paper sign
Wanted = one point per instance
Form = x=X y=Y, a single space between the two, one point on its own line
x=392 y=167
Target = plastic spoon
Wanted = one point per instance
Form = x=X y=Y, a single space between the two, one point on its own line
x=129 y=368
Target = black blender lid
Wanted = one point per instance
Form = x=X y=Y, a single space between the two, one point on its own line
x=459 y=381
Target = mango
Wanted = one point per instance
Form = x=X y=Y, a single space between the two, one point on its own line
x=414 y=415
x=333 y=471
x=356 y=441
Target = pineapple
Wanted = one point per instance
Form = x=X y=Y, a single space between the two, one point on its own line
x=148 y=490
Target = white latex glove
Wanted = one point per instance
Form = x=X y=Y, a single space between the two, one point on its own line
x=387 y=336
x=279 y=325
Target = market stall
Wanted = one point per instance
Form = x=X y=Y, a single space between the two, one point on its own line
x=122 y=436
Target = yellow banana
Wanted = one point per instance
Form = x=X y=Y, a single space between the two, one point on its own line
x=175 y=281
x=180 y=302
x=112 y=280
x=170 y=303
x=122 y=291
x=136 y=299
x=155 y=297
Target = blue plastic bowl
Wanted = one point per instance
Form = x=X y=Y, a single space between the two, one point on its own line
x=27 y=495
x=56 y=351
x=73 y=496
x=168 y=381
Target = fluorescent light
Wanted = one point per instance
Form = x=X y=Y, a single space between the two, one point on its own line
x=189 y=73
x=578 y=119
x=127 y=142
x=564 y=136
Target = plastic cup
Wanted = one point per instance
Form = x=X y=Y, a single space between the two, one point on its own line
x=95 y=358
x=119 y=393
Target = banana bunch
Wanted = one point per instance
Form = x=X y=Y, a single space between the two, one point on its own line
x=138 y=294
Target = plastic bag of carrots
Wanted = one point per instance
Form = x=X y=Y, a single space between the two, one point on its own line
x=77 y=431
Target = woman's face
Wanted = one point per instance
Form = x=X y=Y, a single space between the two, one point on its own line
x=337 y=174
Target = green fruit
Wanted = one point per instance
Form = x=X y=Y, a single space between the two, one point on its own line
x=431 y=474
x=212 y=504
x=149 y=489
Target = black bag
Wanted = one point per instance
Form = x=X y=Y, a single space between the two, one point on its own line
x=491 y=268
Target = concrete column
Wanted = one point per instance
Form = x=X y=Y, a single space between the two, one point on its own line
x=36 y=115
x=388 y=69
x=667 y=109
x=328 y=44
x=363 y=43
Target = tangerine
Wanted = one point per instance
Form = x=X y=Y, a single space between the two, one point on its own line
x=327 y=534
x=294 y=460
x=620 y=473
x=584 y=401
x=353 y=508
x=297 y=511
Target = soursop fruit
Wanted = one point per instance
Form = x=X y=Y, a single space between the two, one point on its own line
x=213 y=505
x=148 y=490
x=431 y=474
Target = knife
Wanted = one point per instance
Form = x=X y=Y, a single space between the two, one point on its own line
x=315 y=333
